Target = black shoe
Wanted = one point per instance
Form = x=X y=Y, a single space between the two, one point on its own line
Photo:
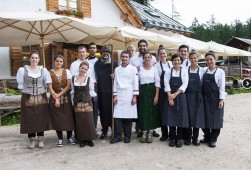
x=103 y=135
x=82 y=144
x=163 y=138
x=212 y=144
x=155 y=134
x=90 y=143
x=187 y=142
x=77 y=141
x=196 y=142
x=204 y=140
x=172 y=143
x=115 y=140
x=178 y=143
x=127 y=140
x=140 y=134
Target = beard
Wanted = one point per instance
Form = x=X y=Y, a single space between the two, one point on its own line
x=142 y=51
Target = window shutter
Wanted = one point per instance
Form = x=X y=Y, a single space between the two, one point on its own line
x=15 y=59
x=86 y=7
x=52 y=5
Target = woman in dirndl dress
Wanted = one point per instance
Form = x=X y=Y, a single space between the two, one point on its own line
x=176 y=80
x=83 y=89
x=33 y=80
x=148 y=116
x=213 y=88
x=62 y=116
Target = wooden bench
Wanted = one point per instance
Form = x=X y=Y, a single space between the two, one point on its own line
x=6 y=110
x=9 y=104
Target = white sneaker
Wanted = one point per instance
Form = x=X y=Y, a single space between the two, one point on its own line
x=71 y=141
x=60 y=143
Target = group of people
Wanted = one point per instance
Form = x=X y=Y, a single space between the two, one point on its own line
x=178 y=96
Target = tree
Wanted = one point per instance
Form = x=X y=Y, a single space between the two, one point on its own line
x=144 y=2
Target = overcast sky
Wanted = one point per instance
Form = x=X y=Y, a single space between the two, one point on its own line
x=224 y=11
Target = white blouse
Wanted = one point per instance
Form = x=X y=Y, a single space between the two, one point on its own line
x=186 y=63
x=149 y=76
x=165 y=66
x=137 y=60
x=184 y=78
x=68 y=74
x=219 y=79
x=91 y=85
x=21 y=73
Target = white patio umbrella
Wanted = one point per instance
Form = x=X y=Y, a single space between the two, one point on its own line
x=224 y=50
x=128 y=35
x=192 y=43
x=29 y=28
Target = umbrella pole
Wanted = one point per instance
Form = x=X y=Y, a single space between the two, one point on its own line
x=112 y=67
x=42 y=39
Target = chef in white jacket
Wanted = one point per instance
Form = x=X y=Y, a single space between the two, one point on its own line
x=125 y=91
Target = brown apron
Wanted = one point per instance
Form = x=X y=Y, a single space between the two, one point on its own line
x=83 y=112
x=34 y=113
x=62 y=118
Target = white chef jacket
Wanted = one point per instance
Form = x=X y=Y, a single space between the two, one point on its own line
x=126 y=84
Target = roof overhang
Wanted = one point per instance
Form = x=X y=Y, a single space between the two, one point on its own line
x=128 y=14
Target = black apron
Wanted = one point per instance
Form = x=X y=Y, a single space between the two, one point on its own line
x=195 y=103
x=162 y=93
x=177 y=115
x=213 y=115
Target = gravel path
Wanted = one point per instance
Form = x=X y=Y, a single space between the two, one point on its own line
x=233 y=149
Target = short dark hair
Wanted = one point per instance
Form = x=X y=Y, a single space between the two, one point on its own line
x=144 y=41
x=184 y=46
x=210 y=53
x=176 y=56
x=147 y=52
x=124 y=52
x=81 y=47
x=92 y=43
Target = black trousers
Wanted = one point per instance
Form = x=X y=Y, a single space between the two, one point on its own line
x=190 y=133
x=60 y=134
x=174 y=130
x=127 y=126
x=164 y=131
x=211 y=134
x=30 y=135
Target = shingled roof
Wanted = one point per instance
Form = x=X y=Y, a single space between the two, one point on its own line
x=154 y=18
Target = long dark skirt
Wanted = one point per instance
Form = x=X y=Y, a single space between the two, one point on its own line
x=85 y=125
x=62 y=118
x=176 y=115
x=34 y=113
x=148 y=116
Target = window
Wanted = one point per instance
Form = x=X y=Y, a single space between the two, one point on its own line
x=67 y=4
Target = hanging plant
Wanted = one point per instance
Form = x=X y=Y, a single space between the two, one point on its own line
x=75 y=13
